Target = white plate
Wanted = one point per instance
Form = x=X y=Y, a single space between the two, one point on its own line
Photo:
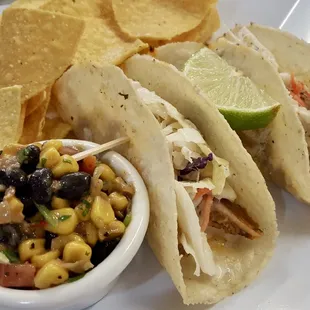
x=283 y=285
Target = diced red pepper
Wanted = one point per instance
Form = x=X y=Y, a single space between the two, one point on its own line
x=39 y=224
x=88 y=164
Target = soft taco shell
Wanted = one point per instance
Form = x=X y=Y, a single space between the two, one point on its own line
x=290 y=52
x=285 y=158
x=113 y=109
x=245 y=178
x=288 y=168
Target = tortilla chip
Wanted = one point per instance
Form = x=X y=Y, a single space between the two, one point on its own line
x=39 y=47
x=33 y=103
x=55 y=129
x=34 y=123
x=102 y=42
x=80 y=8
x=10 y=111
x=205 y=29
x=21 y=121
x=28 y=4
x=159 y=20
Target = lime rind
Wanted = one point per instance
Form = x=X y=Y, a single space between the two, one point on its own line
x=249 y=121
x=243 y=104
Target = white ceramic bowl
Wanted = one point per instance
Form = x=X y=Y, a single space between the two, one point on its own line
x=99 y=281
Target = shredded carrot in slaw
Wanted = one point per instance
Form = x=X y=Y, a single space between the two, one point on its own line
x=201 y=192
x=206 y=205
x=296 y=89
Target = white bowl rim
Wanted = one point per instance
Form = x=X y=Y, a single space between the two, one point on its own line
x=110 y=268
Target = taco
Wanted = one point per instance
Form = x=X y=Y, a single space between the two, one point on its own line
x=288 y=79
x=280 y=149
x=212 y=222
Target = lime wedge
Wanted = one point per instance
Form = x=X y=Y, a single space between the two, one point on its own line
x=242 y=103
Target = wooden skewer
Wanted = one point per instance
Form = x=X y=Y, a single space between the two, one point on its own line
x=100 y=148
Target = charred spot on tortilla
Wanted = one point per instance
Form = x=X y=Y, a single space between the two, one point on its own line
x=124 y=95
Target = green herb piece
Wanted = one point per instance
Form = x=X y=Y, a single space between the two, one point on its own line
x=68 y=161
x=1 y=152
x=87 y=193
x=46 y=213
x=127 y=219
x=87 y=207
x=22 y=155
x=64 y=218
x=11 y=255
x=86 y=203
x=43 y=162
x=73 y=279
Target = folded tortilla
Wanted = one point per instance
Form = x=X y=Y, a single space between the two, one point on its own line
x=279 y=64
x=177 y=161
x=281 y=150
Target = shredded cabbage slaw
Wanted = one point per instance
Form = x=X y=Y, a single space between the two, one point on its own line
x=186 y=144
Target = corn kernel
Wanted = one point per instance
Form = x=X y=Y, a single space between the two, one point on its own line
x=57 y=144
x=75 y=251
x=59 y=242
x=111 y=231
x=118 y=201
x=91 y=233
x=59 y=203
x=50 y=274
x=66 y=165
x=65 y=226
x=29 y=248
x=101 y=212
x=40 y=260
x=49 y=157
x=16 y=207
x=107 y=173
x=83 y=209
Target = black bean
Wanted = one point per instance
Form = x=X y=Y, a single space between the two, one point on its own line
x=41 y=181
x=3 y=237
x=13 y=233
x=29 y=155
x=74 y=185
x=25 y=196
x=29 y=158
x=1 y=196
x=48 y=239
x=2 y=176
x=16 y=177
x=102 y=250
